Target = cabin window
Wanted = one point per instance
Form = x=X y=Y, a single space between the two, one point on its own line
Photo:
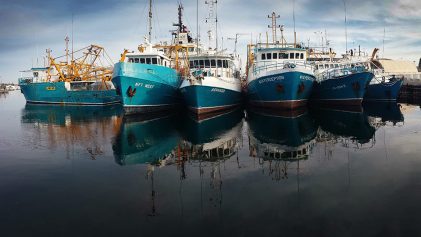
x=142 y=60
x=201 y=63
x=225 y=64
x=136 y=60
x=263 y=56
x=191 y=64
x=269 y=56
x=291 y=55
x=207 y=63
x=130 y=60
x=275 y=56
x=219 y=63
x=283 y=56
x=320 y=66
x=297 y=55
x=301 y=56
x=154 y=61
x=148 y=60
x=213 y=63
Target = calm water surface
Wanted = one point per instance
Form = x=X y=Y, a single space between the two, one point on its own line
x=68 y=171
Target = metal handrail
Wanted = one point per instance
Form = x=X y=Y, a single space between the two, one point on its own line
x=282 y=65
x=339 y=72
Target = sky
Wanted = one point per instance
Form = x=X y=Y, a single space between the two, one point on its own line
x=29 y=27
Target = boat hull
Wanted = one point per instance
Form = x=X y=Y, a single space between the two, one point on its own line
x=201 y=99
x=347 y=90
x=286 y=90
x=146 y=88
x=56 y=93
x=387 y=91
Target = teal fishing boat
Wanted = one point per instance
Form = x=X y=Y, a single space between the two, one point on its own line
x=278 y=74
x=147 y=80
x=81 y=81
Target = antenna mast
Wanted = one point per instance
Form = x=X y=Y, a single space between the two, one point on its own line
x=293 y=16
x=197 y=27
x=72 y=37
x=274 y=25
x=150 y=22
x=213 y=18
x=346 y=31
x=67 y=48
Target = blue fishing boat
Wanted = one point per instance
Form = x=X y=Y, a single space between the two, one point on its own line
x=345 y=85
x=148 y=80
x=214 y=83
x=214 y=87
x=79 y=82
x=68 y=93
x=384 y=89
x=278 y=75
x=145 y=82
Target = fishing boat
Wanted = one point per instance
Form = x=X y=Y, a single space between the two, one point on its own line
x=82 y=81
x=343 y=84
x=385 y=89
x=278 y=74
x=148 y=79
x=214 y=80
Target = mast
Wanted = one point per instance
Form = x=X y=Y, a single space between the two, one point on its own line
x=213 y=20
x=293 y=17
x=72 y=37
x=150 y=22
x=197 y=27
x=346 y=31
x=67 y=49
x=274 y=25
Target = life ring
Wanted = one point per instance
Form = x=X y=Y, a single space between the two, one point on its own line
x=131 y=92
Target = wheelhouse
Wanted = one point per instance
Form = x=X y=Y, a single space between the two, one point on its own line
x=153 y=59
x=213 y=65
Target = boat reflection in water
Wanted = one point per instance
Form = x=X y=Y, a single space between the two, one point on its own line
x=384 y=112
x=342 y=126
x=213 y=138
x=281 y=139
x=70 y=127
x=146 y=140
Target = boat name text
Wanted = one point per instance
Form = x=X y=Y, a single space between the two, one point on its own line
x=271 y=79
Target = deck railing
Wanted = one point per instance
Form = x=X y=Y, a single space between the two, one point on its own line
x=339 y=72
x=282 y=65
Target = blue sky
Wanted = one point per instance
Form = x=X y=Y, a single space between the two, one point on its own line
x=28 y=27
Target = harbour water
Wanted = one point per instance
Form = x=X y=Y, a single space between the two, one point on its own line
x=71 y=171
